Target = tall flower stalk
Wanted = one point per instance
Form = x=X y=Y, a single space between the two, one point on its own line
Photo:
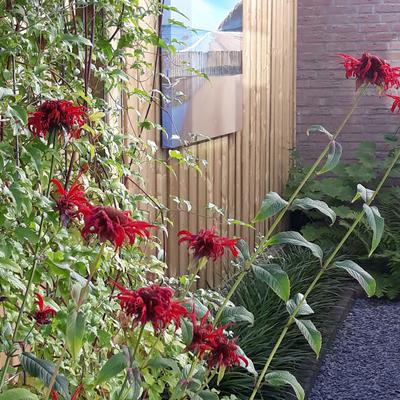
x=82 y=295
x=324 y=268
x=264 y=242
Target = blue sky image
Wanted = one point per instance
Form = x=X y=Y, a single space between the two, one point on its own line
x=203 y=14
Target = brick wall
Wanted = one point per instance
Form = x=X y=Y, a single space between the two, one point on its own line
x=328 y=27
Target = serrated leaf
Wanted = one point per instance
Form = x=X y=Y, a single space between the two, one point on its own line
x=333 y=158
x=366 y=281
x=44 y=370
x=293 y=303
x=187 y=331
x=309 y=204
x=296 y=239
x=19 y=113
x=311 y=334
x=275 y=277
x=113 y=366
x=75 y=332
x=237 y=314
x=18 y=394
x=319 y=128
x=271 y=205
x=376 y=223
x=282 y=378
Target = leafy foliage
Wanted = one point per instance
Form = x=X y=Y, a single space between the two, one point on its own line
x=257 y=341
x=373 y=244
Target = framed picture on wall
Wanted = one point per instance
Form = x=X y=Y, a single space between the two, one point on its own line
x=202 y=81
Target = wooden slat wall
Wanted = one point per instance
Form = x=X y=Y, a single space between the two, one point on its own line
x=244 y=166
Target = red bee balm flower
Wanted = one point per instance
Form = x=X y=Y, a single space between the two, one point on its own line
x=114 y=225
x=151 y=304
x=224 y=353
x=396 y=102
x=44 y=313
x=371 y=69
x=57 y=115
x=208 y=244
x=71 y=203
x=54 y=394
x=203 y=335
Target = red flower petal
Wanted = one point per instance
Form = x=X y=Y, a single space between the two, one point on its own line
x=208 y=244
x=114 y=225
x=371 y=69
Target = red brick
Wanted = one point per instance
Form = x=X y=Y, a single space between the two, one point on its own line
x=387 y=8
x=323 y=93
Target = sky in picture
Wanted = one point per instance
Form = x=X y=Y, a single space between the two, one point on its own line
x=203 y=14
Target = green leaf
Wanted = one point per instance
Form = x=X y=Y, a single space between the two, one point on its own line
x=275 y=277
x=293 y=303
x=18 y=394
x=364 y=193
x=26 y=234
x=44 y=370
x=366 y=281
x=333 y=158
x=5 y=92
x=319 y=128
x=282 y=378
x=377 y=224
x=244 y=252
x=250 y=365
x=310 y=204
x=113 y=366
x=75 y=332
x=296 y=239
x=187 y=331
x=19 y=113
x=207 y=395
x=161 y=362
x=271 y=205
x=237 y=314
x=97 y=116
x=311 y=333
x=76 y=39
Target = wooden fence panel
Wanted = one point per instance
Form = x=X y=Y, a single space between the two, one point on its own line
x=243 y=166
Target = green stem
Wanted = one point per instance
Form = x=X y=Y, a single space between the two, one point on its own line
x=201 y=262
x=32 y=271
x=92 y=271
x=132 y=360
x=264 y=242
x=319 y=275
x=81 y=299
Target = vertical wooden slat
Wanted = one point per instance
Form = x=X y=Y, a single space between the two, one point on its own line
x=202 y=201
x=244 y=166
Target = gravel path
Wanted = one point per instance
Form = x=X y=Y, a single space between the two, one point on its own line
x=363 y=362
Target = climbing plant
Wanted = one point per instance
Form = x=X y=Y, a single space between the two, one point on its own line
x=86 y=309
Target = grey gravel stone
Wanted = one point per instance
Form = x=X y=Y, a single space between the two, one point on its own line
x=363 y=362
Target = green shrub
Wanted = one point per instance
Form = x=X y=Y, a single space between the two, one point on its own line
x=259 y=339
x=338 y=191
